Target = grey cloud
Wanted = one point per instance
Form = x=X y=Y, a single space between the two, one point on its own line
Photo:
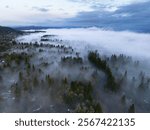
x=135 y=17
x=40 y=9
x=6 y=6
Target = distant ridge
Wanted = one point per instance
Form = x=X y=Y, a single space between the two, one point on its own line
x=42 y=27
x=9 y=31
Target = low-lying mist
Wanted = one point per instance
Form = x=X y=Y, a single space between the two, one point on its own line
x=107 y=42
x=125 y=42
x=77 y=70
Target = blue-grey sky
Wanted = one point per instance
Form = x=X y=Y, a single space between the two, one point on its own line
x=118 y=14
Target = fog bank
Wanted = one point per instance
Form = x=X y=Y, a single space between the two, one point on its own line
x=125 y=42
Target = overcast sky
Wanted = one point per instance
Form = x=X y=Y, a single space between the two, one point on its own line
x=106 y=13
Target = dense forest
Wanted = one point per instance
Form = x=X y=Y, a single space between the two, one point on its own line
x=50 y=77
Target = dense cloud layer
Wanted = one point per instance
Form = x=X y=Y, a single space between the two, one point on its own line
x=111 y=14
x=133 y=17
